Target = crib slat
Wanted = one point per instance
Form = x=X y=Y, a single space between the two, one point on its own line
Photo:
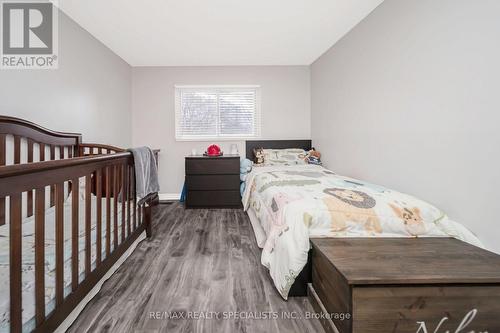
x=52 y=187
x=127 y=197
x=59 y=243
x=108 y=211
x=2 y=162
x=42 y=152
x=17 y=149
x=115 y=207
x=30 y=150
x=61 y=157
x=2 y=149
x=88 y=212
x=98 y=183
x=139 y=219
x=134 y=196
x=40 y=255
x=29 y=206
x=74 y=232
x=122 y=196
x=15 y=264
x=68 y=184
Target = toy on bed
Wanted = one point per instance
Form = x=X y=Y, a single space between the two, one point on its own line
x=313 y=157
x=245 y=168
x=258 y=154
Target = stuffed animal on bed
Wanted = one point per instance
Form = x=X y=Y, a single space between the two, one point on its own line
x=313 y=157
x=245 y=166
x=258 y=154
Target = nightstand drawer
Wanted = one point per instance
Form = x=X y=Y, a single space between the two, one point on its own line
x=213 y=182
x=212 y=166
x=213 y=199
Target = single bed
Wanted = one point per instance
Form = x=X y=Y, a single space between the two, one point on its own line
x=290 y=204
x=68 y=211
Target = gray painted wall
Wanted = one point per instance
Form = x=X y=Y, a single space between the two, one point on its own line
x=410 y=99
x=89 y=93
x=285 y=108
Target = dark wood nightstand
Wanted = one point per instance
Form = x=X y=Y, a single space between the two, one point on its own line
x=213 y=181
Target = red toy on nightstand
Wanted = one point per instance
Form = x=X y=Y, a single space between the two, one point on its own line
x=213 y=150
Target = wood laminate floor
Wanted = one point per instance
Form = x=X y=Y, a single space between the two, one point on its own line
x=200 y=262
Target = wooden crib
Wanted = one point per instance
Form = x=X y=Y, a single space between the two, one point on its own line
x=45 y=171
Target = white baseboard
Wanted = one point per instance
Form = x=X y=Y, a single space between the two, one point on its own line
x=169 y=196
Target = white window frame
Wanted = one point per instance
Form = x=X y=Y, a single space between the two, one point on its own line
x=219 y=137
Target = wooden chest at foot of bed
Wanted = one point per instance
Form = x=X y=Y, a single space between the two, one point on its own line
x=406 y=285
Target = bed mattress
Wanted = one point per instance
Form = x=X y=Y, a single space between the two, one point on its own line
x=290 y=204
x=28 y=255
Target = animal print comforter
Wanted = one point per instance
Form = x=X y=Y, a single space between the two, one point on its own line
x=294 y=203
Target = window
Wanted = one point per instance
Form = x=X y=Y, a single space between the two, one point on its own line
x=217 y=112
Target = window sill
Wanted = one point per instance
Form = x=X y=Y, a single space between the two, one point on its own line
x=216 y=139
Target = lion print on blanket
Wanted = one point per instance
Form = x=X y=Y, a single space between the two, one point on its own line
x=353 y=206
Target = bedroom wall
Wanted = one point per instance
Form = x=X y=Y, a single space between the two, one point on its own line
x=409 y=99
x=285 y=109
x=88 y=94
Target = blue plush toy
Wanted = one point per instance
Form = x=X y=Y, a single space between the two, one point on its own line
x=245 y=166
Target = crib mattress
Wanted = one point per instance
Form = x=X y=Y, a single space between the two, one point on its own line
x=28 y=255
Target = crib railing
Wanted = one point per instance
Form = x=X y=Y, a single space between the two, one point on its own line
x=91 y=149
x=110 y=180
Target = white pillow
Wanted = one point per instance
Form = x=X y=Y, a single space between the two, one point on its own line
x=289 y=156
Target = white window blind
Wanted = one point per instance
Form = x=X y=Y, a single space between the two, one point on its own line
x=217 y=112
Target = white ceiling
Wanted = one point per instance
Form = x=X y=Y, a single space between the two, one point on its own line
x=218 y=32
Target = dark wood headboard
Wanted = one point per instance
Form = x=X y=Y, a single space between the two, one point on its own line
x=21 y=128
x=275 y=144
